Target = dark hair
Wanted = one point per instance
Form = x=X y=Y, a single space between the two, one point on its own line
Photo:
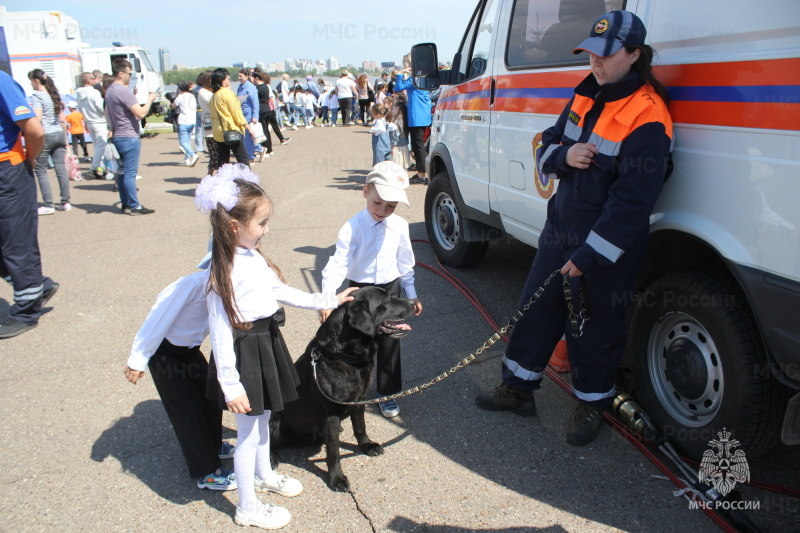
x=204 y=80
x=643 y=67
x=245 y=71
x=120 y=65
x=266 y=77
x=404 y=112
x=258 y=75
x=183 y=86
x=217 y=77
x=223 y=246
x=47 y=82
x=378 y=109
x=108 y=79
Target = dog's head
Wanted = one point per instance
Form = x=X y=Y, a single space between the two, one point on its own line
x=373 y=312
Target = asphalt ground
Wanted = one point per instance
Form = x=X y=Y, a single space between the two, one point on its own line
x=84 y=450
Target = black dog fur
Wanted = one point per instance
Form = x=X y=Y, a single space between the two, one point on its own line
x=345 y=345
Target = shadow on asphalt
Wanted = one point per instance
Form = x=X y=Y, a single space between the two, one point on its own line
x=401 y=523
x=96 y=209
x=182 y=192
x=164 y=164
x=184 y=181
x=354 y=180
x=145 y=446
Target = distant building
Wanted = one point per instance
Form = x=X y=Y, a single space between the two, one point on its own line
x=243 y=64
x=261 y=65
x=388 y=64
x=369 y=65
x=333 y=64
x=164 y=60
x=178 y=66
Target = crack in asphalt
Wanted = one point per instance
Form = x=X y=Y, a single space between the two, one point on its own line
x=358 y=508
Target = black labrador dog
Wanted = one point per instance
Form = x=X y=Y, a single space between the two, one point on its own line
x=343 y=351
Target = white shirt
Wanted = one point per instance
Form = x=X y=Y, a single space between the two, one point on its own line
x=179 y=315
x=90 y=103
x=257 y=290
x=372 y=252
x=187 y=104
x=310 y=100
x=378 y=127
x=346 y=88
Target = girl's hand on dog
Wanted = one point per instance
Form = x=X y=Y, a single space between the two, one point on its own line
x=344 y=296
x=417 y=307
x=239 y=405
x=133 y=375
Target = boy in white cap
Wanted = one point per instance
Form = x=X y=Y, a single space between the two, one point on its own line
x=374 y=249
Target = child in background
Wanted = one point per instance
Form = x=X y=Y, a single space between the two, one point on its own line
x=322 y=103
x=381 y=147
x=310 y=104
x=254 y=371
x=377 y=233
x=76 y=129
x=380 y=94
x=168 y=343
x=333 y=106
x=398 y=134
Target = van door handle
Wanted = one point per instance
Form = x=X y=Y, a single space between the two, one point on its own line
x=491 y=94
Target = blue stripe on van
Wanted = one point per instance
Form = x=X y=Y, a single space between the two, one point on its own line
x=740 y=93
x=467 y=96
x=539 y=92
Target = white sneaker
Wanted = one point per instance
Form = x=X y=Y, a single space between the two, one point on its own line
x=110 y=176
x=294 y=127
x=138 y=177
x=333 y=125
x=44 y=210
x=264 y=515
x=283 y=485
x=309 y=127
x=389 y=408
x=181 y=149
x=192 y=161
x=64 y=207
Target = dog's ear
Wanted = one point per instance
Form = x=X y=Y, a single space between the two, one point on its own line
x=361 y=319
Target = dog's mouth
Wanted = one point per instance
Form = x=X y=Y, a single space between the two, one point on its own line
x=394 y=328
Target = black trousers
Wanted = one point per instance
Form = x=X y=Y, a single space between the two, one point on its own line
x=389 y=379
x=180 y=375
x=224 y=154
x=417 y=135
x=20 y=259
x=76 y=138
x=344 y=106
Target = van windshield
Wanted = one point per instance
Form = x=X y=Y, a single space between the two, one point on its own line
x=145 y=61
x=544 y=32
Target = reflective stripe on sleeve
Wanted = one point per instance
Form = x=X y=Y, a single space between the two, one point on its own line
x=603 y=247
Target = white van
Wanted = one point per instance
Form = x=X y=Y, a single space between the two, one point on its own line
x=145 y=78
x=715 y=324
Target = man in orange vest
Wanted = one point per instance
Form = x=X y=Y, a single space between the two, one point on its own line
x=20 y=261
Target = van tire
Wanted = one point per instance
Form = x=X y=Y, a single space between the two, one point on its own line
x=445 y=226
x=693 y=340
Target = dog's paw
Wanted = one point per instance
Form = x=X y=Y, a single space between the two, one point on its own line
x=371 y=448
x=339 y=483
x=274 y=459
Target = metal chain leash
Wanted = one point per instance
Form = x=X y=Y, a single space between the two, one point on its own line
x=577 y=321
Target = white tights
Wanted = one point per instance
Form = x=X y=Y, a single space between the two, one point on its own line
x=252 y=456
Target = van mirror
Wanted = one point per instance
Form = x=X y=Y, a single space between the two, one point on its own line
x=425 y=67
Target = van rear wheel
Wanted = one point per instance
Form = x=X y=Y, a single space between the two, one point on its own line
x=699 y=364
x=445 y=226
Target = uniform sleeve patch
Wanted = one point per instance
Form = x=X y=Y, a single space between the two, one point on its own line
x=574 y=117
x=22 y=110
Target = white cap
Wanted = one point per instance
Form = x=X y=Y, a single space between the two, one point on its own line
x=391 y=181
x=73 y=104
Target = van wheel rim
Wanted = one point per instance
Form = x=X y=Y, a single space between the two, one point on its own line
x=685 y=369
x=446 y=223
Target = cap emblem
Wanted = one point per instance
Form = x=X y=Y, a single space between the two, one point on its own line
x=601 y=26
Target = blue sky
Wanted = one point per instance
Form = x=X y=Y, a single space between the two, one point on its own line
x=203 y=33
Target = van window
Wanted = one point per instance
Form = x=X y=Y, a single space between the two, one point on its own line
x=544 y=32
x=474 y=50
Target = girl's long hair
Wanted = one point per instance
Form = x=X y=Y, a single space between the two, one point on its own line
x=47 y=82
x=643 y=67
x=403 y=116
x=224 y=242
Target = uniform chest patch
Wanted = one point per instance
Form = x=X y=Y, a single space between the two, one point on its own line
x=574 y=117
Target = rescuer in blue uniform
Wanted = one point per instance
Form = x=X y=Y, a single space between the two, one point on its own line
x=609 y=150
x=20 y=262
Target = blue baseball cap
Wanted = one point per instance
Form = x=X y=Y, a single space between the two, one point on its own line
x=611 y=32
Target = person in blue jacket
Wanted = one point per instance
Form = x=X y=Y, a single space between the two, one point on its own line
x=248 y=97
x=609 y=149
x=419 y=118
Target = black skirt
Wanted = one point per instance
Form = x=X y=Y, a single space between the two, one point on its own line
x=265 y=367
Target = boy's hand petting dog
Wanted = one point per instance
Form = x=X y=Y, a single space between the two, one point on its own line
x=344 y=296
x=417 y=306
x=133 y=375
x=239 y=405
x=323 y=315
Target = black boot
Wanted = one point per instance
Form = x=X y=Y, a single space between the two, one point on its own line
x=506 y=398
x=584 y=424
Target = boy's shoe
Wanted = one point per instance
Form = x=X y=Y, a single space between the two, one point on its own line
x=283 y=485
x=389 y=408
x=110 y=176
x=584 y=424
x=220 y=479
x=64 y=207
x=418 y=180
x=192 y=161
x=141 y=210
x=506 y=398
x=47 y=294
x=13 y=327
x=44 y=210
x=286 y=140
x=264 y=515
x=226 y=450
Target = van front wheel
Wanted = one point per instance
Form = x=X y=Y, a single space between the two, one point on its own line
x=445 y=226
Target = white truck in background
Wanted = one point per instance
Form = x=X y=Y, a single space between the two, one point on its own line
x=714 y=338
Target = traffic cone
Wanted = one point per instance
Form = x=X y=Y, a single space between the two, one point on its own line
x=559 y=361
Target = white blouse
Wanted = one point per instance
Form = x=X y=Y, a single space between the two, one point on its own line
x=258 y=291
